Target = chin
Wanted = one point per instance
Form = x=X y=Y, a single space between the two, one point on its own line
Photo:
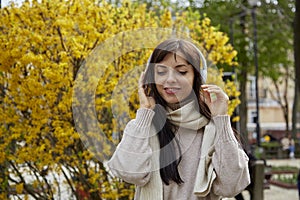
x=172 y=101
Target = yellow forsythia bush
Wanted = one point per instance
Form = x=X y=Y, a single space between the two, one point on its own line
x=64 y=65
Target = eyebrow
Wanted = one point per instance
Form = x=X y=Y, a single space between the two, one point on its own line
x=177 y=66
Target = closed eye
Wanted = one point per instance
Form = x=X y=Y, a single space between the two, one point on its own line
x=183 y=72
x=161 y=69
x=161 y=73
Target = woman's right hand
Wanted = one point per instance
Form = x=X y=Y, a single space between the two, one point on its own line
x=145 y=101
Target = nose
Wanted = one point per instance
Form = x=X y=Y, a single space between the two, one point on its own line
x=171 y=78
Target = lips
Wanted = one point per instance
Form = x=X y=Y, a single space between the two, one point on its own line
x=171 y=90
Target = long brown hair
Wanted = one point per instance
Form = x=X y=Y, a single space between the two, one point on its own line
x=169 y=172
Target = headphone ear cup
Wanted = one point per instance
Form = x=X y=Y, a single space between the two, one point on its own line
x=203 y=73
x=203 y=70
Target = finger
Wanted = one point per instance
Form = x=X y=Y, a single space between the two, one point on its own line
x=204 y=95
x=141 y=88
x=215 y=92
x=205 y=86
x=211 y=88
x=213 y=97
x=141 y=80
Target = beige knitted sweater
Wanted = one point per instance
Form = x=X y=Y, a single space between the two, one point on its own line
x=213 y=163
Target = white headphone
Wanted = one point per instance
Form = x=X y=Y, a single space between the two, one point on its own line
x=203 y=70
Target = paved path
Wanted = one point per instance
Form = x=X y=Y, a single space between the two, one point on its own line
x=278 y=193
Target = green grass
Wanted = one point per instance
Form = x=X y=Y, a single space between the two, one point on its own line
x=286 y=179
x=289 y=178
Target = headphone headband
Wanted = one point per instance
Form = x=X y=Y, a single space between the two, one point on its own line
x=203 y=70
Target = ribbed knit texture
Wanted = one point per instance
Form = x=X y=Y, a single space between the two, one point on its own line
x=222 y=168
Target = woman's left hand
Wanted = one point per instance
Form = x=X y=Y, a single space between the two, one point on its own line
x=216 y=99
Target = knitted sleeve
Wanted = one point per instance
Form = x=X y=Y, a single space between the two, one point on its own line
x=230 y=162
x=132 y=159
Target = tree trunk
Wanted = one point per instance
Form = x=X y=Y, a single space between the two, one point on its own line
x=243 y=110
x=296 y=106
x=243 y=106
x=297 y=43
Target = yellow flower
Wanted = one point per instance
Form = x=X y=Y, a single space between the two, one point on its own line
x=45 y=45
x=19 y=188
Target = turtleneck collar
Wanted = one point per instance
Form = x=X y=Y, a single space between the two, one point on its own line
x=187 y=116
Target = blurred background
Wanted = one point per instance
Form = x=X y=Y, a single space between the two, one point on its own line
x=253 y=44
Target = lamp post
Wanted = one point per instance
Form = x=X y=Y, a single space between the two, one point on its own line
x=253 y=4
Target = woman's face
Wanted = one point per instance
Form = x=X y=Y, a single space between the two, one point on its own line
x=174 y=78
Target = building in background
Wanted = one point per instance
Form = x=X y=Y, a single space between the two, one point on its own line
x=271 y=118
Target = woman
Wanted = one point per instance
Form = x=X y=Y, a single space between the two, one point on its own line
x=181 y=145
